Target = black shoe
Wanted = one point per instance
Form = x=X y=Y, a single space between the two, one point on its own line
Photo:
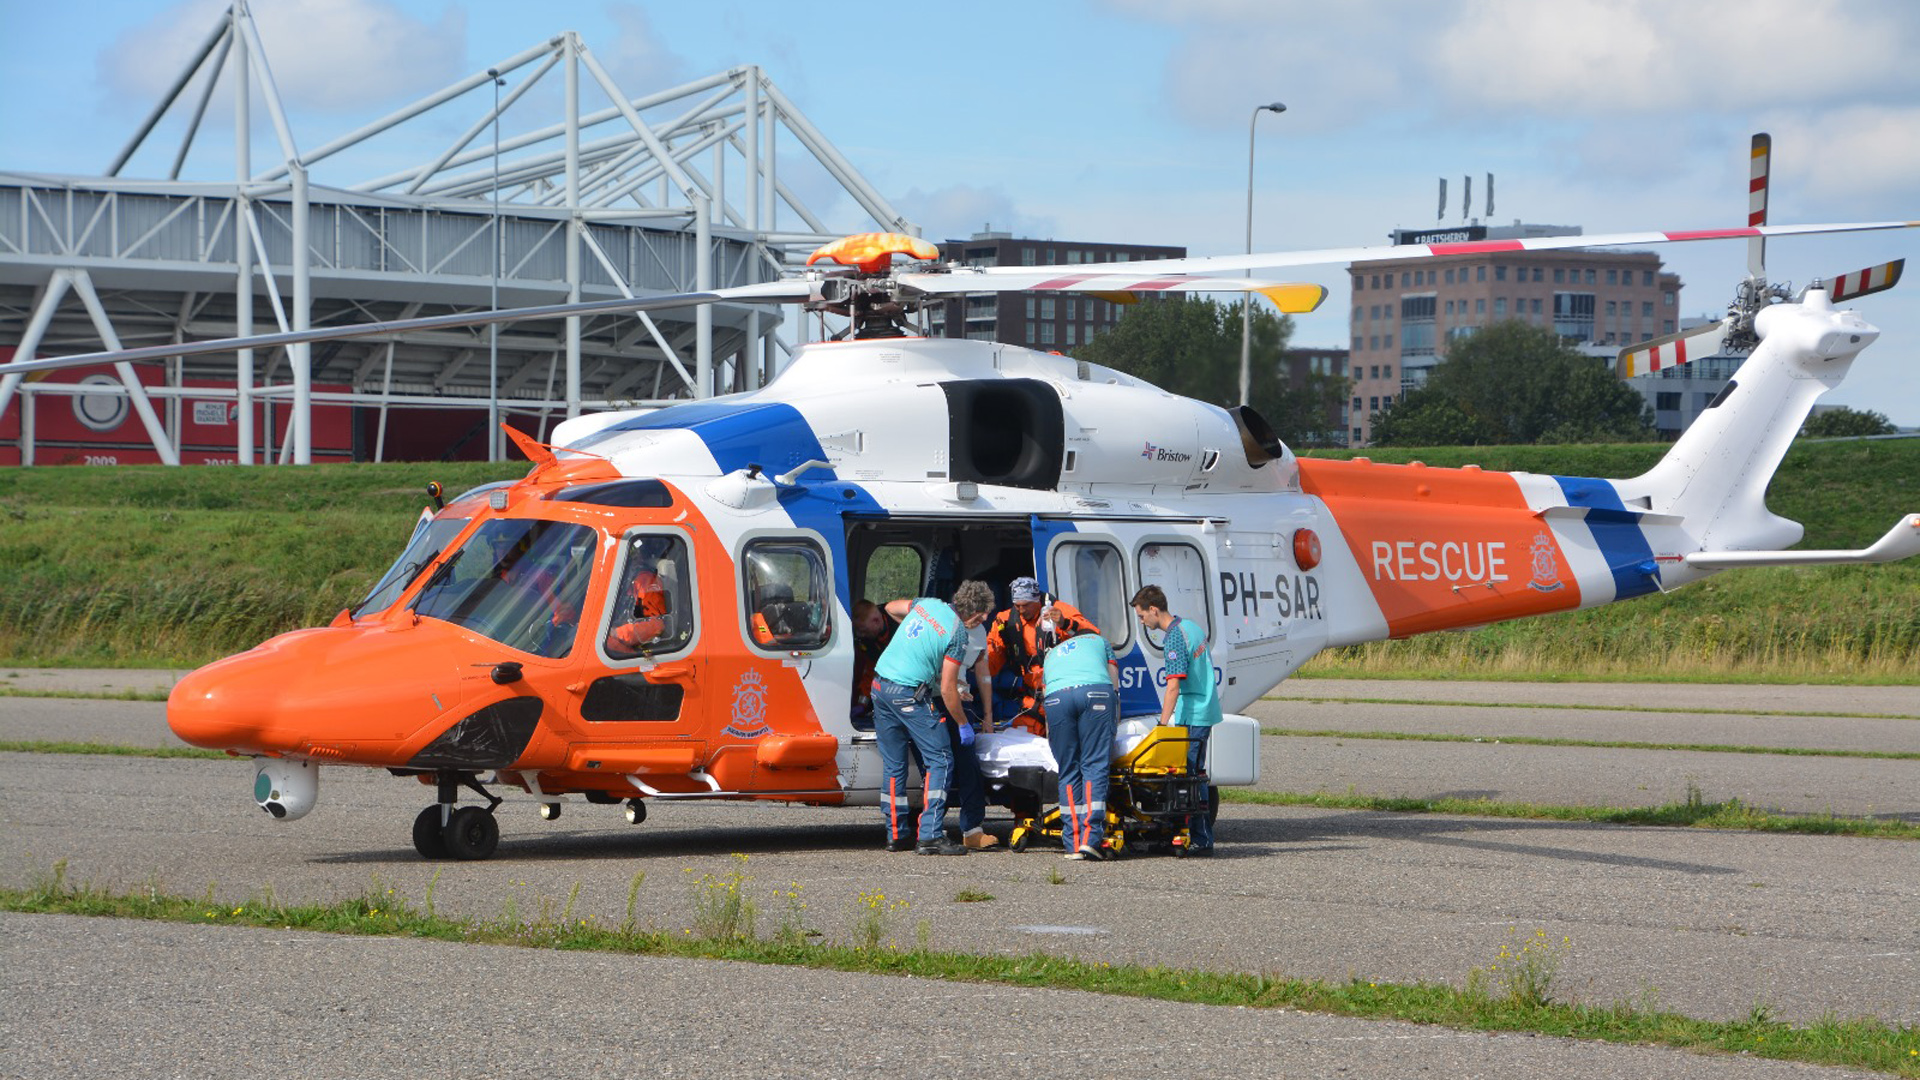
x=942 y=846
x=1200 y=852
x=905 y=843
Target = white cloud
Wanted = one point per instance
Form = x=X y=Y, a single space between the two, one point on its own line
x=1867 y=154
x=1567 y=60
x=1654 y=55
x=639 y=61
x=960 y=210
x=326 y=55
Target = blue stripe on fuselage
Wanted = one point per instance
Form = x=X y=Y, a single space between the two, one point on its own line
x=774 y=436
x=1617 y=533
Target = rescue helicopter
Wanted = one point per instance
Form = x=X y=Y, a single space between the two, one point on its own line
x=660 y=609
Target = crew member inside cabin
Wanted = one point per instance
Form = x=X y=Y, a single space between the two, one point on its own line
x=923 y=660
x=644 y=610
x=872 y=628
x=1017 y=646
x=1192 y=700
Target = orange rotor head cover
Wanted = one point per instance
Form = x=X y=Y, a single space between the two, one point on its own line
x=871 y=252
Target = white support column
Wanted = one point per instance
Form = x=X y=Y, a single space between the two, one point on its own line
x=574 y=223
x=45 y=304
x=300 y=356
x=242 y=246
x=26 y=429
x=83 y=285
x=386 y=394
x=703 y=282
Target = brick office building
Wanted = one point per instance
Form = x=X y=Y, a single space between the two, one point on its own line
x=1407 y=312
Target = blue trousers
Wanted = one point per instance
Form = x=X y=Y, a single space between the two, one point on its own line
x=1198 y=826
x=1080 y=724
x=966 y=789
x=902 y=719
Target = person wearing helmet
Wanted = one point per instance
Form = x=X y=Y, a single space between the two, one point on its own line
x=1017 y=645
x=643 y=617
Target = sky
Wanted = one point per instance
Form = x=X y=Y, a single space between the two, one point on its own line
x=1127 y=120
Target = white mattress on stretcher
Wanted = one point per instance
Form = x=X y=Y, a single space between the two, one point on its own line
x=999 y=751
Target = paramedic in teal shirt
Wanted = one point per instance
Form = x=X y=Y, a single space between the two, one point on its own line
x=922 y=659
x=1192 y=700
x=1083 y=707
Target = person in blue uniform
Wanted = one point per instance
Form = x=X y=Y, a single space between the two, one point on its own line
x=1192 y=699
x=924 y=659
x=1083 y=706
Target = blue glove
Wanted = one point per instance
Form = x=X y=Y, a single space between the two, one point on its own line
x=966 y=734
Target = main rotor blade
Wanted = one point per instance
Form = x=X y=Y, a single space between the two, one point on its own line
x=1293 y=298
x=779 y=292
x=1211 y=264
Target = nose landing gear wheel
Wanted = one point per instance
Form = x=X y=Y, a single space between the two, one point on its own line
x=471 y=833
x=428 y=838
x=636 y=811
x=550 y=810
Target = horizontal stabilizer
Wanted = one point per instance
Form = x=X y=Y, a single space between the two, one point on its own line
x=1901 y=542
x=1671 y=350
x=1865 y=282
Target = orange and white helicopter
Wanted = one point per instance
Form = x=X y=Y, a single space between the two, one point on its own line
x=508 y=647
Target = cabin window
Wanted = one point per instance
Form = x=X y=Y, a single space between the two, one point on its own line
x=521 y=583
x=651 y=610
x=1181 y=573
x=789 y=596
x=1092 y=577
x=894 y=570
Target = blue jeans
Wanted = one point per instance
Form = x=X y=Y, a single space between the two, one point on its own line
x=1080 y=724
x=1200 y=829
x=965 y=786
x=902 y=718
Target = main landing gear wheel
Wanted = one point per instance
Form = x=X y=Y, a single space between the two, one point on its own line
x=428 y=838
x=550 y=810
x=471 y=833
x=636 y=811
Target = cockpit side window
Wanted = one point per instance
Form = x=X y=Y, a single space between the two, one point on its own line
x=521 y=583
x=652 y=600
x=789 y=597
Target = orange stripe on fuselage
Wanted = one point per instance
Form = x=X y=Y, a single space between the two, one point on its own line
x=1443 y=548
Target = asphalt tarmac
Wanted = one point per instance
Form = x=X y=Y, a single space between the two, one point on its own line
x=1704 y=923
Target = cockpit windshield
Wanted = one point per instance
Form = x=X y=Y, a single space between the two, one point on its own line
x=520 y=583
x=429 y=538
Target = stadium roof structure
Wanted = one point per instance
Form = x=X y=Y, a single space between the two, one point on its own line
x=675 y=191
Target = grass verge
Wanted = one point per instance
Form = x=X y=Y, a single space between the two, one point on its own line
x=1694 y=812
x=1571 y=706
x=52 y=746
x=1858 y=1043
x=1603 y=744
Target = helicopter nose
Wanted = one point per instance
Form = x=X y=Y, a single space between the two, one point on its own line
x=218 y=707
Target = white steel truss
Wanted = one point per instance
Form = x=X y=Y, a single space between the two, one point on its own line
x=676 y=191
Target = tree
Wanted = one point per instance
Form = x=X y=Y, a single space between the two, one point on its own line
x=1512 y=383
x=1191 y=346
x=1843 y=422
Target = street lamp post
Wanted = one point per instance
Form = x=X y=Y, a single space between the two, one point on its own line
x=1246 y=303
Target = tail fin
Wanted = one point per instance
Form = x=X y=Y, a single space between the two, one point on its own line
x=1716 y=475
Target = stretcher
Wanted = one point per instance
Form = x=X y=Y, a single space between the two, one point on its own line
x=1151 y=795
